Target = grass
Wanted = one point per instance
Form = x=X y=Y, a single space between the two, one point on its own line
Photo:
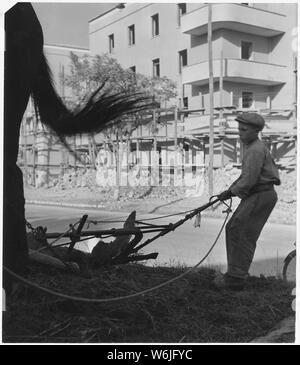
x=189 y=310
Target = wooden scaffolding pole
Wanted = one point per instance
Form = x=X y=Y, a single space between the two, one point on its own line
x=154 y=162
x=34 y=149
x=175 y=145
x=117 y=156
x=24 y=134
x=75 y=150
x=221 y=107
x=127 y=158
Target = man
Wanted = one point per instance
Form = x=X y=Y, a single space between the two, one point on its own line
x=255 y=188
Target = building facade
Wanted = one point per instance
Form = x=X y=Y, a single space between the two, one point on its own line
x=254 y=58
x=252 y=45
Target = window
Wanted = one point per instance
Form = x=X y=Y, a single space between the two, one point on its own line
x=181 y=9
x=111 y=43
x=155 y=25
x=182 y=59
x=246 y=50
x=247 y=99
x=185 y=102
x=131 y=35
x=156 y=68
x=133 y=69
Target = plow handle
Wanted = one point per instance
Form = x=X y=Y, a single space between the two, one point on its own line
x=173 y=226
x=76 y=237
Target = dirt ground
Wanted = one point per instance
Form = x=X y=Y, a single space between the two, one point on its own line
x=188 y=310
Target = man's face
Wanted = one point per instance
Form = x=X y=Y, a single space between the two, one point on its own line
x=247 y=133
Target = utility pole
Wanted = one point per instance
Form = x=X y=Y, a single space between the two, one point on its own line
x=295 y=91
x=295 y=111
x=211 y=102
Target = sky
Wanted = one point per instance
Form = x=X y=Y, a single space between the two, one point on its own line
x=67 y=23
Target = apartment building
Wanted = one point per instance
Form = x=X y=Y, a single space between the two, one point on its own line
x=252 y=46
x=254 y=69
x=254 y=58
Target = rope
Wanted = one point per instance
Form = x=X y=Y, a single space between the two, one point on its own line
x=144 y=220
x=130 y=296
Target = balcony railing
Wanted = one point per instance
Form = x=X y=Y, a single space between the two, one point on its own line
x=236 y=70
x=236 y=17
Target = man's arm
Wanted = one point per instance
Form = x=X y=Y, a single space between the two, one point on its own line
x=235 y=181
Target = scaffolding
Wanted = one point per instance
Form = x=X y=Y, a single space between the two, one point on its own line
x=161 y=142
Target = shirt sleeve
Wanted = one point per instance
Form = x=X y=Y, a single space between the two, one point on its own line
x=251 y=169
x=235 y=181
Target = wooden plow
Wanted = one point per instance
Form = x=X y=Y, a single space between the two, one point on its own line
x=123 y=249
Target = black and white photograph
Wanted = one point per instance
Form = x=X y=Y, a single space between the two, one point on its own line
x=149 y=171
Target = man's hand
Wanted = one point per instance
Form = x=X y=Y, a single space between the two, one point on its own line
x=227 y=194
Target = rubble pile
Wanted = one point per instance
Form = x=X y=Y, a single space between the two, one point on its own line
x=224 y=177
x=285 y=211
x=75 y=179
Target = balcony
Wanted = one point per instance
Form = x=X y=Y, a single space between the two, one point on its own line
x=236 y=17
x=236 y=70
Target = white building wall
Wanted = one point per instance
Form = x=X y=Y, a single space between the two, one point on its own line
x=232 y=45
x=199 y=48
x=283 y=49
x=232 y=95
x=230 y=42
x=164 y=46
x=275 y=50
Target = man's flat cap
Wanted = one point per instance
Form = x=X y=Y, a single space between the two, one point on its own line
x=253 y=119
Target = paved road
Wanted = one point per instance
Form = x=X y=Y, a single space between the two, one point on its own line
x=187 y=245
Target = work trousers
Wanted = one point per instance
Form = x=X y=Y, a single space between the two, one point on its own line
x=243 y=231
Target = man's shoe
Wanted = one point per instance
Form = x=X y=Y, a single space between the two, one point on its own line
x=227 y=282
